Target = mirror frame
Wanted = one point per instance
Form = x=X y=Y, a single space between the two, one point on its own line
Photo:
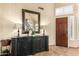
x=23 y=18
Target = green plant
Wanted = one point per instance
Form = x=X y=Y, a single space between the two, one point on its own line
x=5 y=51
x=33 y=32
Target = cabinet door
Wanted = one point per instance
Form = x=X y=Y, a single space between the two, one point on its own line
x=27 y=46
x=19 y=46
x=38 y=44
x=46 y=43
x=13 y=47
x=42 y=43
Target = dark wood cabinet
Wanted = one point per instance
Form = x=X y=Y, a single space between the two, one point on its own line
x=23 y=46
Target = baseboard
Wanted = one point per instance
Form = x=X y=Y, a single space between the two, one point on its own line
x=73 y=47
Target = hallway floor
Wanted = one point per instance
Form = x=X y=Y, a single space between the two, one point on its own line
x=59 y=51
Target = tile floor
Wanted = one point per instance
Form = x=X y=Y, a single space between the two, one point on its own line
x=59 y=51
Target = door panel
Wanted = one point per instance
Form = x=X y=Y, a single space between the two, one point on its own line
x=61 y=32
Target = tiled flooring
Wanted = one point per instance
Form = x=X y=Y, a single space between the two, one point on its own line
x=59 y=51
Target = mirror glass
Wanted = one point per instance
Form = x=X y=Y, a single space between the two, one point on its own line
x=31 y=22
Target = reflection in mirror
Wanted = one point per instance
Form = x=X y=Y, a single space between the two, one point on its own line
x=31 y=21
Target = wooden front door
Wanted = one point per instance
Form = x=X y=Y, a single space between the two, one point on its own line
x=62 y=32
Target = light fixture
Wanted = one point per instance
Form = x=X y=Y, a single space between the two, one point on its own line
x=41 y=8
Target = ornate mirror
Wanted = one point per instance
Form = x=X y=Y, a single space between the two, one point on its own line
x=30 y=21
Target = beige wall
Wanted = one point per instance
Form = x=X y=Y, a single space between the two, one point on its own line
x=62 y=4
x=11 y=14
